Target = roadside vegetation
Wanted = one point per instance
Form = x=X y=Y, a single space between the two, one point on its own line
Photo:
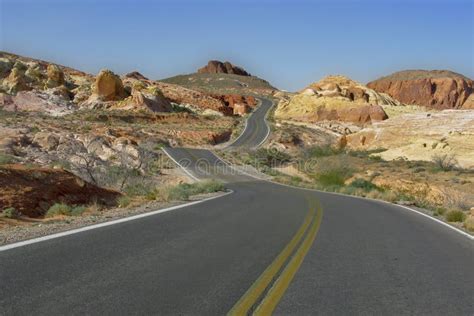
x=438 y=187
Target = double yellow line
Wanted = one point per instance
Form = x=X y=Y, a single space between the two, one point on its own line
x=297 y=249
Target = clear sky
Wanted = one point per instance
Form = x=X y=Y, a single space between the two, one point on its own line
x=290 y=43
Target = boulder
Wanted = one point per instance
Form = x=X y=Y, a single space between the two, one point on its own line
x=150 y=99
x=47 y=141
x=440 y=89
x=108 y=86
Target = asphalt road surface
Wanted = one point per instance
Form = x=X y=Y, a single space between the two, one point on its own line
x=265 y=248
x=256 y=129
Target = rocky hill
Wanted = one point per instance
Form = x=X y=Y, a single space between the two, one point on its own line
x=223 y=83
x=335 y=98
x=439 y=89
x=215 y=67
x=32 y=85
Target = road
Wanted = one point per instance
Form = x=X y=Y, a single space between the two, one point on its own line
x=264 y=248
x=256 y=130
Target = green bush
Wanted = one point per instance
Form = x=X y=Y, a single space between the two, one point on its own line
x=78 y=210
x=322 y=151
x=455 y=216
x=269 y=157
x=332 y=177
x=123 y=201
x=59 y=209
x=11 y=212
x=6 y=159
x=183 y=191
x=139 y=189
x=364 y=185
x=209 y=186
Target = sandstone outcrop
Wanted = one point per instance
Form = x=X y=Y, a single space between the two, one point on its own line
x=151 y=99
x=335 y=98
x=420 y=136
x=108 y=86
x=198 y=100
x=439 y=89
x=215 y=66
x=55 y=76
x=239 y=104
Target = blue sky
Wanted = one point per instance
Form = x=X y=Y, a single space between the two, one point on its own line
x=289 y=43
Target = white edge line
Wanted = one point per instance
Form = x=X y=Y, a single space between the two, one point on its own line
x=184 y=169
x=113 y=222
x=469 y=236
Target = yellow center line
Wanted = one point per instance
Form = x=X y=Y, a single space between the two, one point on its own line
x=274 y=295
x=243 y=306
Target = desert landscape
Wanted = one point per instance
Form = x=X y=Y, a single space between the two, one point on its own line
x=94 y=141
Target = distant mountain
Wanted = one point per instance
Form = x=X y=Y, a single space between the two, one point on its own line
x=440 y=89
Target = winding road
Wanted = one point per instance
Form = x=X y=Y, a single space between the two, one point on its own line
x=264 y=248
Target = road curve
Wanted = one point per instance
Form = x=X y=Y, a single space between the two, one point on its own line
x=256 y=129
x=264 y=248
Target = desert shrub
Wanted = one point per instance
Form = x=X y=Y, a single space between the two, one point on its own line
x=333 y=177
x=209 y=186
x=365 y=185
x=183 y=191
x=322 y=151
x=361 y=153
x=11 y=212
x=123 y=201
x=78 y=210
x=6 y=159
x=439 y=211
x=469 y=223
x=269 y=157
x=444 y=162
x=455 y=216
x=59 y=209
x=139 y=189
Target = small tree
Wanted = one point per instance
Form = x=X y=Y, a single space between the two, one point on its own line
x=444 y=162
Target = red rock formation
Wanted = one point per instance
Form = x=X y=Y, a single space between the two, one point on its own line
x=180 y=95
x=215 y=66
x=240 y=104
x=135 y=75
x=437 y=89
x=33 y=190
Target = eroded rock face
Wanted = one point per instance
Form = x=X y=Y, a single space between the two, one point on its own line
x=108 y=86
x=50 y=101
x=420 y=136
x=55 y=76
x=199 y=100
x=215 y=66
x=151 y=99
x=438 y=89
x=239 y=104
x=335 y=98
x=31 y=191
